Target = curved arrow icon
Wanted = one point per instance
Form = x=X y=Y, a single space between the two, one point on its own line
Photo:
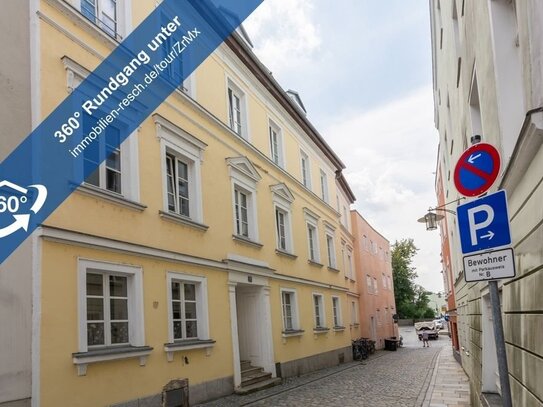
x=21 y=222
x=40 y=200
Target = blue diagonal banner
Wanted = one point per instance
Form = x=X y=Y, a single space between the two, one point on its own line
x=107 y=107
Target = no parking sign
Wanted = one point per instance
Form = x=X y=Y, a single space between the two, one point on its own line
x=477 y=169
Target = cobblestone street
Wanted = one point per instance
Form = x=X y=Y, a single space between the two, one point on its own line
x=394 y=379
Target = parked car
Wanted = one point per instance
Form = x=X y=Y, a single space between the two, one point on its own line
x=429 y=326
x=439 y=323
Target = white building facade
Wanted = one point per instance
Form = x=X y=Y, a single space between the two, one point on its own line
x=488 y=74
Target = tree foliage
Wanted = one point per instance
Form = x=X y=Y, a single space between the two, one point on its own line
x=411 y=299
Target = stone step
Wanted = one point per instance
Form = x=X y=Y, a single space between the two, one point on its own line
x=255 y=378
x=245 y=364
x=259 y=386
x=250 y=371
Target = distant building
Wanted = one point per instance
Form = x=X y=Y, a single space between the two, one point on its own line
x=447 y=270
x=437 y=303
x=375 y=283
x=488 y=82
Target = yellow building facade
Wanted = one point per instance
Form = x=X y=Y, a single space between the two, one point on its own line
x=209 y=250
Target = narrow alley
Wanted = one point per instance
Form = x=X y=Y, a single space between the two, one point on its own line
x=407 y=377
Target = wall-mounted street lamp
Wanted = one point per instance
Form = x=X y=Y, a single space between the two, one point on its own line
x=431 y=218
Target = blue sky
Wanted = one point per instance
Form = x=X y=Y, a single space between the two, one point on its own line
x=362 y=53
x=363 y=70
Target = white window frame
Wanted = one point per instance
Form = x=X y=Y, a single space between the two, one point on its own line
x=188 y=86
x=123 y=17
x=305 y=170
x=324 y=186
x=331 y=248
x=130 y=188
x=384 y=282
x=277 y=153
x=173 y=161
x=319 y=319
x=350 y=268
x=375 y=288
x=313 y=247
x=202 y=309
x=232 y=89
x=281 y=228
x=250 y=208
x=244 y=179
x=134 y=277
x=312 y=242
x=103 y=167
x=282 y=200
x=293 y=309
x=354 y=313
x=184 y=147
x=336 y=311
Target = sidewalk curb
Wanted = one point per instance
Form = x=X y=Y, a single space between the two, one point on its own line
x=424 y=401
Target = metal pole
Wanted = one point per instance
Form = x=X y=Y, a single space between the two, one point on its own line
x=500 y=344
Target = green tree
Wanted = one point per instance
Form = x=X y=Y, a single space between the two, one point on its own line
x=403 y=275
x=411 y=299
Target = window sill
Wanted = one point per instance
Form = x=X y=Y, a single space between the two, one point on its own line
x=320 y=330
x=170 y=348
x=245 y=240
x=292 y=332
x=335 y=270
x=314 y=263
x=339 y=328
x=286 y=254
x=83 y=359
x=172 y=217
x=95 y=192
x=355 y=325
x=82 y=22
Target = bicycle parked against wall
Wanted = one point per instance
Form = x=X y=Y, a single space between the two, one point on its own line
x=369 y=344
x=362 y=348
x=359 y=350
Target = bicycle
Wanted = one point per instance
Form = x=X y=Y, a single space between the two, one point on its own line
x=369 y=345
x=360 y=351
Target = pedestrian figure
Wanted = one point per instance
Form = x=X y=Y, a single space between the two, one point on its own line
x=425 y=343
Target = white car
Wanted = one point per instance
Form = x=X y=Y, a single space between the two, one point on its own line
x=439 y=323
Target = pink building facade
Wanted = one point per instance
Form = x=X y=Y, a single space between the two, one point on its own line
x=375 y=283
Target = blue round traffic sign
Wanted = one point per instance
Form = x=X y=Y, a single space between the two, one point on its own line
x=477 y=169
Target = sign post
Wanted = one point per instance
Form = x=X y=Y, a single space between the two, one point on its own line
x=499 y=339
x=483 y=226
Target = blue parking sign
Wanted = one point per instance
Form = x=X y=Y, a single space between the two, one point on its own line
x=484 y=223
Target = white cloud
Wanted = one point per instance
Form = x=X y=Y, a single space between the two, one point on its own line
x=389 y=151
x=390 y=157
x=284 y=33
